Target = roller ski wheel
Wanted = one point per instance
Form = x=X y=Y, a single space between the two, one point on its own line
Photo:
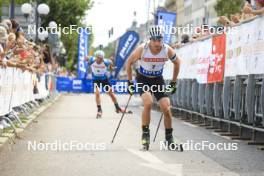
x=129 y=112
x=99 y=115
x=145 y=147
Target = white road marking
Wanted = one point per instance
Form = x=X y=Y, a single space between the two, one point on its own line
x=145 y=155
x=155 y=163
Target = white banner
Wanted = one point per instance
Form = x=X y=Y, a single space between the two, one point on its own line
x=188 y=55
x=16 y=88
x=256 y=64
x=195 y=60
x=244 y=53
x=204 y=54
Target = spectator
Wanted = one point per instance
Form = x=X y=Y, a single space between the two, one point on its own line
x=46 y=52
x=259 y=8
x=5 y=26
x=185 y=39
x=9 y=24
x=3 y=39
x=15 y=26
x=23 y=55
x=223 y=20
x=236 y=18
x=16 y=51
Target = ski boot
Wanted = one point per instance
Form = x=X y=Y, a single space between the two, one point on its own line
x=99 y=112
x=119 y=110
x=171 y=143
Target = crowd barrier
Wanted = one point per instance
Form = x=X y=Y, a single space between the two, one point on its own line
x=18 y=87
x=222 y=78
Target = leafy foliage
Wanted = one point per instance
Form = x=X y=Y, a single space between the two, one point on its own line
x=226 y=8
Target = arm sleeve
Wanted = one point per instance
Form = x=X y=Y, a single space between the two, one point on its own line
x=91 y=61
x=107 y=62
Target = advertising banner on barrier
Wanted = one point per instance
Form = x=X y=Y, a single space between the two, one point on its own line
x=204 y=54
x=125 y=47
x=82 y=52
x=242 y=51
x=65 y=84
x=256 y=62
x=167 y=20
x=188 y=56
x=217 y=59
x=233 y=53
x=17 y=86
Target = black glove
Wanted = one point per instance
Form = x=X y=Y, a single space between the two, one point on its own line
x=172 y=87
x=130 y=87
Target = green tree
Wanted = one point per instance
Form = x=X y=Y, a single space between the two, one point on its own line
x=66 y=13
x=227 y=8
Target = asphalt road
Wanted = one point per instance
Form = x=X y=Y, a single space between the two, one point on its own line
x=71 y=121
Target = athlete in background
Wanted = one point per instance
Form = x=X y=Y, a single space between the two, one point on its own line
x=100 y=66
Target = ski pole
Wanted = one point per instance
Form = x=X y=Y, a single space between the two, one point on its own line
x=121 y=119
x=158 y=128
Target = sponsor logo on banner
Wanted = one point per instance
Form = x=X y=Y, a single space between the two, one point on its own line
x=217 y=59
x=239 y=53
x=167 y=21
x=82 y=52
x=77 y=84
x=125 y=47
x=203 y=60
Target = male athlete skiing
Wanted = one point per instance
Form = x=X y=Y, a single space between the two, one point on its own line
x=151 y=57
x=100 y=66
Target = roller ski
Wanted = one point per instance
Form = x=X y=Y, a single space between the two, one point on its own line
x=145 y=139
x=120 y=110
x=99 y=115
x=99 y=112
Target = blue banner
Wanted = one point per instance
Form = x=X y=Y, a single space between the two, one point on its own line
x=125 y=47
x=76 y=85
x=167 y=20
x=82 y=52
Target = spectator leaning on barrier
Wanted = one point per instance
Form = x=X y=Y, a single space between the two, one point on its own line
x=9 y=24
x=236 y=18
x=185 y=38
x=15 y=27
x=10 y=46
x=247 y=13
x=3 y=39
x=259 y=9
x=16 y=51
